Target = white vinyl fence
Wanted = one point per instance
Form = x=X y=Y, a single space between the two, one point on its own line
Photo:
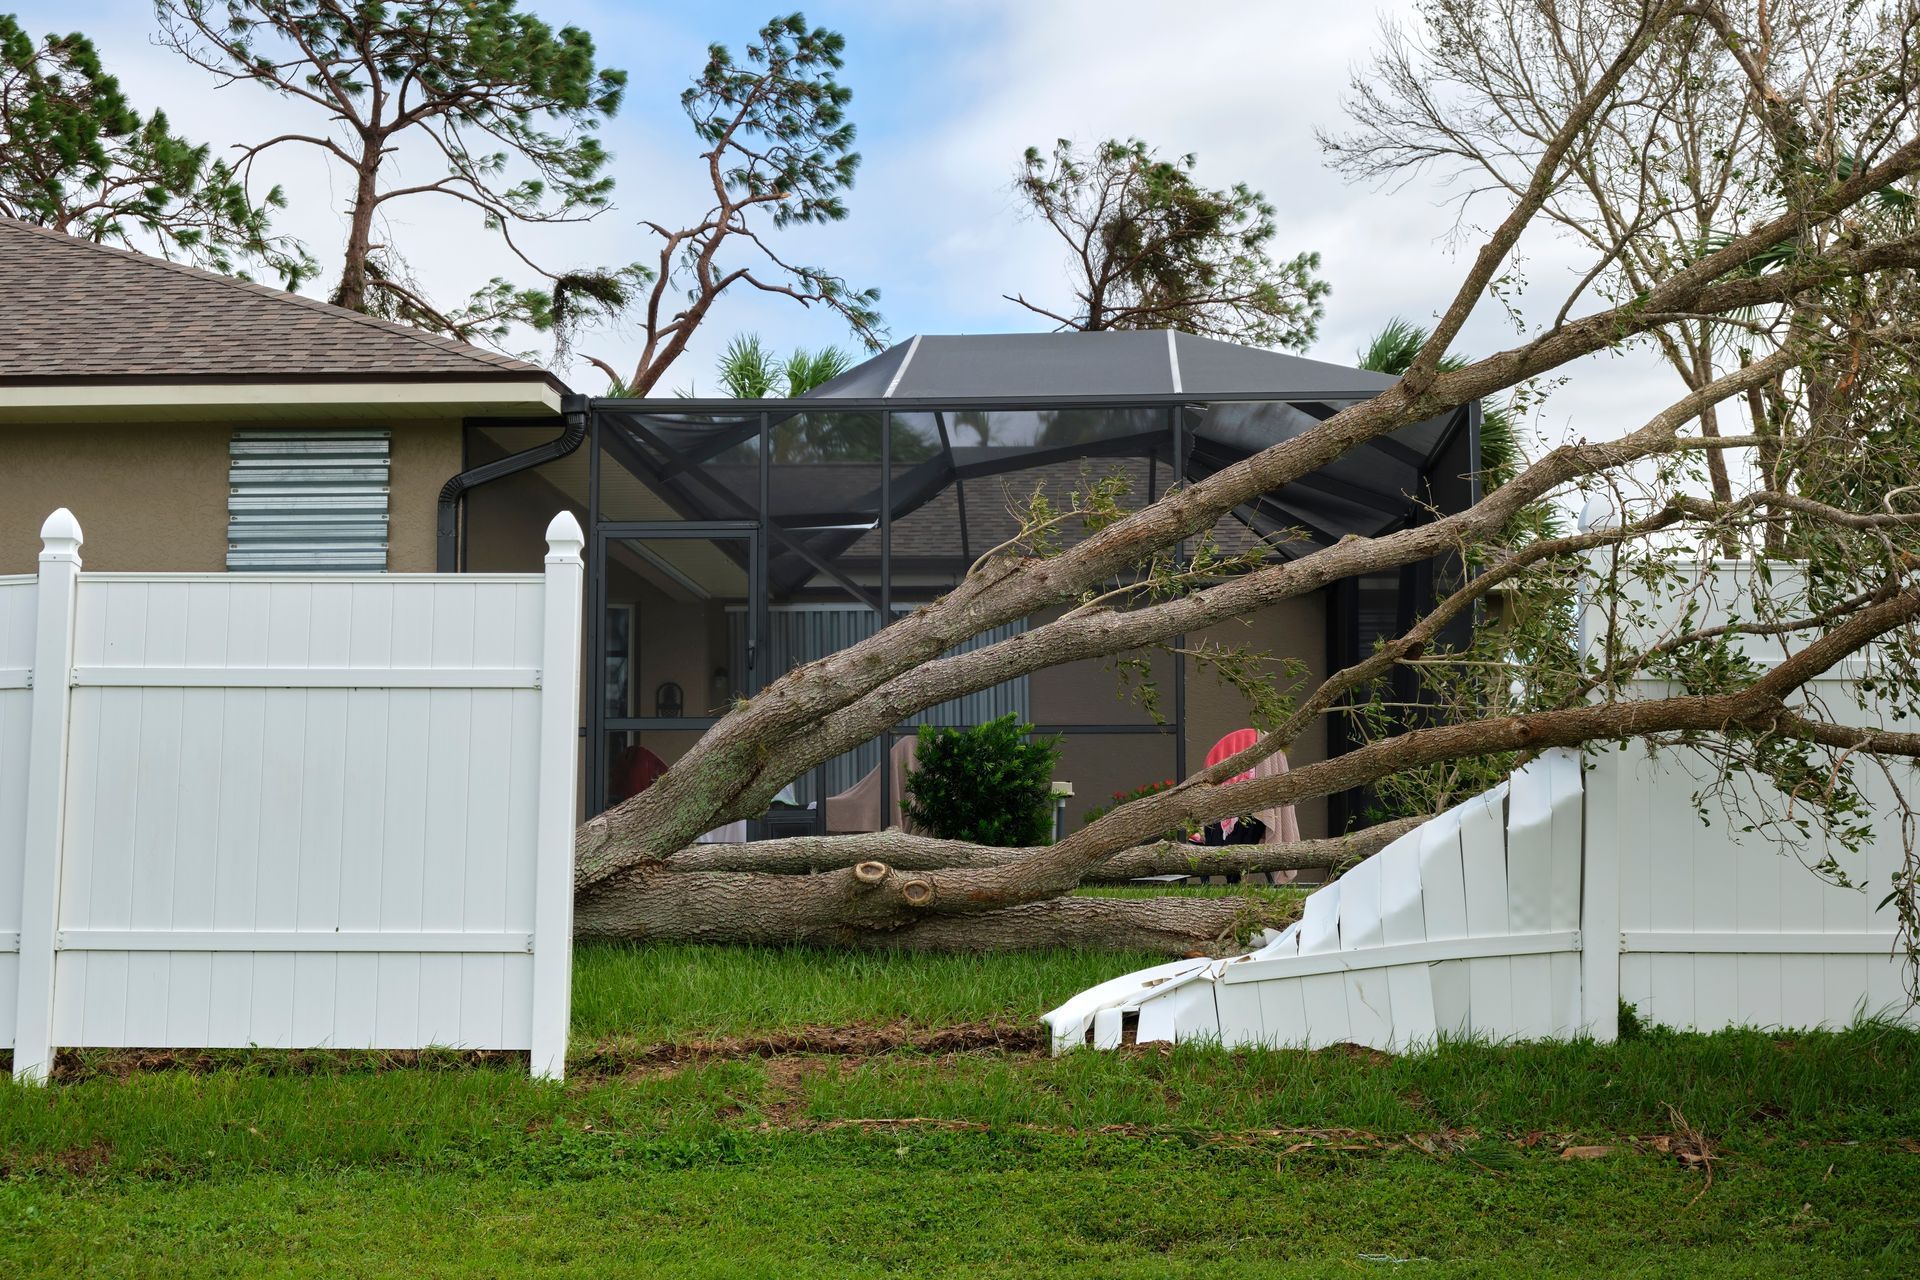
x=287 y=810
x=1533 y=910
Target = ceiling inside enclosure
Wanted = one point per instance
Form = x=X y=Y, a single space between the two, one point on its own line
x=685 y=569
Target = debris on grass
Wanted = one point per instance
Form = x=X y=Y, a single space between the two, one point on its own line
x=1691 y=1147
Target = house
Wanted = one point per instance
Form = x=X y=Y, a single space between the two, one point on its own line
x=194 y=422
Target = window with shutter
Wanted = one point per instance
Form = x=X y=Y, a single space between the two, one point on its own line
x=302 y=500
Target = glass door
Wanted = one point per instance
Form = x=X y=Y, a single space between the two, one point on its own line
x=678 y=615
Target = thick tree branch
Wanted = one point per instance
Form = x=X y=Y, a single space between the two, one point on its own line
x=1058 y=868
x=802 y=855
x=1329 y=853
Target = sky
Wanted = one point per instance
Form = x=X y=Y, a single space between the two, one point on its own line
x=947 y=96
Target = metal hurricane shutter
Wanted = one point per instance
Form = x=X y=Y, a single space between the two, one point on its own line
x=307 y=500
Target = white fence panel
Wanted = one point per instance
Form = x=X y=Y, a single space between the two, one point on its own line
x=1483 y=856
x=1723 y=927
x=297 y=810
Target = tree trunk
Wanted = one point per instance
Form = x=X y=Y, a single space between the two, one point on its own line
x=657 y=905
x=352 y=290
x=776 y=893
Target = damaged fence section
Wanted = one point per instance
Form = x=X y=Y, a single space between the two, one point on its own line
x=289 y=810
x=1534 y=910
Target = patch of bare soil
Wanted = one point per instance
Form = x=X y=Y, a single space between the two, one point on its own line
x=611 y=1058
x=616 y=1058
x=80 y=1161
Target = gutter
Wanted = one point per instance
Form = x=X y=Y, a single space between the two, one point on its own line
x=573 y=413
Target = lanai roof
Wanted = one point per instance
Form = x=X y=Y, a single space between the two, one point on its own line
x=1144 y=365
x=1035 y=402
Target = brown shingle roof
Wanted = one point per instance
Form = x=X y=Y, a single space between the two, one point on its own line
x=72 y=310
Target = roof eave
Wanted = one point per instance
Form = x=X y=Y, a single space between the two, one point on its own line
x=283 y=399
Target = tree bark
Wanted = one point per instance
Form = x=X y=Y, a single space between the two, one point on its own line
x=800 y=855
x=352 y=290
x=1169 y=858
x=670 y=906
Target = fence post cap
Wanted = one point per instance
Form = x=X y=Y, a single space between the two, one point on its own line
x=1598 y=513
x=60 y=537
x=564 y=539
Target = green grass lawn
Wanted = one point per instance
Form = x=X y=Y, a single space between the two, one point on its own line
x=705 y=1132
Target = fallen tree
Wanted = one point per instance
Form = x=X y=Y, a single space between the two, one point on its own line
x=1817 y=281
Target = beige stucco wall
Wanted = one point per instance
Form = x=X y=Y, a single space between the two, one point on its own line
x=147 y=496
x=425 y=456
x=1089 y=692
x=1292 y=629
x=153 y=496
x=504 y=529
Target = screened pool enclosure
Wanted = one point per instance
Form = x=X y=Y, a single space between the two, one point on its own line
x=731 y=541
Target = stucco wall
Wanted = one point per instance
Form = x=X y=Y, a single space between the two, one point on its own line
x=1291 y=629
x=147 y=497
x=504 y=529
x=1090 y=692
x=425 y=456
x=153 y=496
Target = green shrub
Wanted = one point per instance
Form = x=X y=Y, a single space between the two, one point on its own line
x=990 y=785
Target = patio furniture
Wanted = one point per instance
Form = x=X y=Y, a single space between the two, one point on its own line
x=636 y=769
x=858 y=807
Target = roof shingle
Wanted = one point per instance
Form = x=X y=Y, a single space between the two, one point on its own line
x=79 y=311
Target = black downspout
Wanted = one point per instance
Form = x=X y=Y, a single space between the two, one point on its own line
x=573 y=411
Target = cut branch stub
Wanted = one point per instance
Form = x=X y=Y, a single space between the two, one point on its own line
x=871 y=872
x=918 y=893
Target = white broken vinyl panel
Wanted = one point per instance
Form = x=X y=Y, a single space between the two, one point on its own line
x=1471 y=925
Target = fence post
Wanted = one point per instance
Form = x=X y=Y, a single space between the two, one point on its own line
x=46 y=792
x=1600 y=823
x=1600 y=894
x=559 y=792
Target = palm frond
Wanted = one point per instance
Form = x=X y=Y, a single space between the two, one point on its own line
x=807 y=370
x=746 y=369
x=1393 y=348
